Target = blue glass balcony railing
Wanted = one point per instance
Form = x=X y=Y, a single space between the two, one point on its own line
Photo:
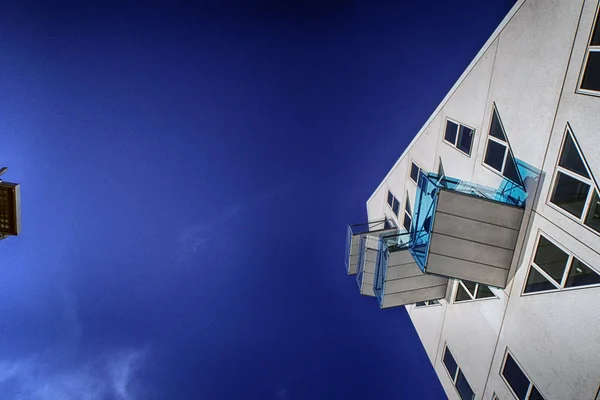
x=426 y=202
x=387 y=244
x=363 y=228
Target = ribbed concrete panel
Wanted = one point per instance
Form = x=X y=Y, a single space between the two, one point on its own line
x=413 y=283
x=414 y=296
x=481 y=232
x=470 y=251
x=470 y=271
x=479 y=209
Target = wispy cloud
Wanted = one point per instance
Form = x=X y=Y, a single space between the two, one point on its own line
x=199 y=235
x=110 y=376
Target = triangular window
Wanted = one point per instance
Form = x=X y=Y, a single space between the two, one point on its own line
x=472 y=291
x=498 y=154
x=574 y=188
x=554 y=268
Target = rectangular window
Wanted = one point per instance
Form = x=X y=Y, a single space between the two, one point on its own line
x=517 y=380
x=407 y=214
x=459 y=136
x=467 y=291
x=458 y=378
x=415 y=173
x=573 y=190
x=554 y=268
x=590 y=77
x=427 y=303
x=393 y=203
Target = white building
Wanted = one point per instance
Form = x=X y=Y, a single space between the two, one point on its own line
x=487 y=228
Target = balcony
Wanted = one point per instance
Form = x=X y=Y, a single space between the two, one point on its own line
x=367 y=256
x=354 y=234
x=398 y=280
x=466 y=231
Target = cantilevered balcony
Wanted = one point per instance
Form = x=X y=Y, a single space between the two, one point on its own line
x=353 y=239
x=367 y=256
x=466 y=231
x=398 y=279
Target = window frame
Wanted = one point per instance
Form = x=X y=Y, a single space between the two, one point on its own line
x=569 y=264
x=507 y=148
x=428 y=303
x=511 y=390
x=405 y=213
x=454 y=378
x=474 y=297
x=588 y=181
x=589 y=48
x=454 y=145
x=410 y=172
x=394 y=199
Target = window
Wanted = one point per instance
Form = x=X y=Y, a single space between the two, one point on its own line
x=590 y=77
x=467 y=291
x=415 y=173
x=407 y=214
x=427 y=303
x=458 y=378
x=517 y=381
x=494 y=397
x=553 y=268
x=459 y=136
x=393 y=203
x=498 y=155
x=574 y=190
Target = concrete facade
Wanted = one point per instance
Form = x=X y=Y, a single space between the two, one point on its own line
x=529 y=71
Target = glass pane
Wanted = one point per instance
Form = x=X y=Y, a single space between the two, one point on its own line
x=593 y=218
x=414 y=172
x=407 y=222
x=449 y=362
x=494 y=155
x=396 y=206
x=515 y=377
x=390 y=198
x=464 y=389
x=450 y=134
x=462 y=294
x=581 y=275
x=432 y=302
x=535 y=395
x=596 y=35
x=465 y=137
x=570 y=158
x=407 y=206
x=496 y=128
x=570 y=194
x=536 y=282
x=420 y=304
x=470 y=286
x=484 y=292
x=591 y=76
x=510 y=170
x=551 y=259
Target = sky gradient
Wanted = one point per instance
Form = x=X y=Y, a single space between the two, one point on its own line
x=187 y=174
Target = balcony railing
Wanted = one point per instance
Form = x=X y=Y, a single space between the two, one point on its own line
x=353 y=234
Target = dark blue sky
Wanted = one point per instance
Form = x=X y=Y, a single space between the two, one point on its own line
x=187 y=174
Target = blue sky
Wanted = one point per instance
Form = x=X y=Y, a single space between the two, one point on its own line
x=187 y=174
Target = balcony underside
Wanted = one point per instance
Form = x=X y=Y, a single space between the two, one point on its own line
x=405 y=283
